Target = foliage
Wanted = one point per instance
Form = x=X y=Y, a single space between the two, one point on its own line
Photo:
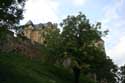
x=80 y=40
x=122 y=69
x=11 y=12
x=3 y=34
x=104 y=69
x=53 y=44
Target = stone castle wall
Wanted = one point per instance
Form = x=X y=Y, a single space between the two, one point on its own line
x=37 y=32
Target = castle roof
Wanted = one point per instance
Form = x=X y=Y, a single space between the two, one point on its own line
x=41 y=25
x=29 y=23
x=37 y=26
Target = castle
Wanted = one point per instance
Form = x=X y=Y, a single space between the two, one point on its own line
x=37 y=32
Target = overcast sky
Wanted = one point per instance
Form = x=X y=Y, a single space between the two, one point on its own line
x=110 y=12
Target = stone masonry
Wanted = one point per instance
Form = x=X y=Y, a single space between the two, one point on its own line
x=37 y=32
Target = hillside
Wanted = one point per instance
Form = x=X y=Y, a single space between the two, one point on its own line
x=23 y=61
x=15 y=68
x=18 y=69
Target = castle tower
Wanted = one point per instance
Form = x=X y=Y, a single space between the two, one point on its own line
x=37 y=32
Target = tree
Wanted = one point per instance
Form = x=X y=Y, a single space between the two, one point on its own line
x=11 y=13
x=104 y=69
x=81 y=42
x=53 y=43
x=122 y=69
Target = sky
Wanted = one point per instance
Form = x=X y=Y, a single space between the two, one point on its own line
x=111 y=13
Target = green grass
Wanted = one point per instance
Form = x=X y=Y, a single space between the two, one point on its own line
x=15 y=68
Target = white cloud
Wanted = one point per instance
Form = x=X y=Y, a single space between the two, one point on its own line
x=117 y=52
x=41 y=11
x=79 y=2
x=115 y=46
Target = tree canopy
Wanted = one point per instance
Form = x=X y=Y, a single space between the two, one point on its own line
x=11 y=13
x=81 y=44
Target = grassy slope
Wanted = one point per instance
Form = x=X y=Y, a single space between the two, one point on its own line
x=15 y=68
x=18 y=69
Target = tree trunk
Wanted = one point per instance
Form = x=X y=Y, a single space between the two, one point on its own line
x=76 y=72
